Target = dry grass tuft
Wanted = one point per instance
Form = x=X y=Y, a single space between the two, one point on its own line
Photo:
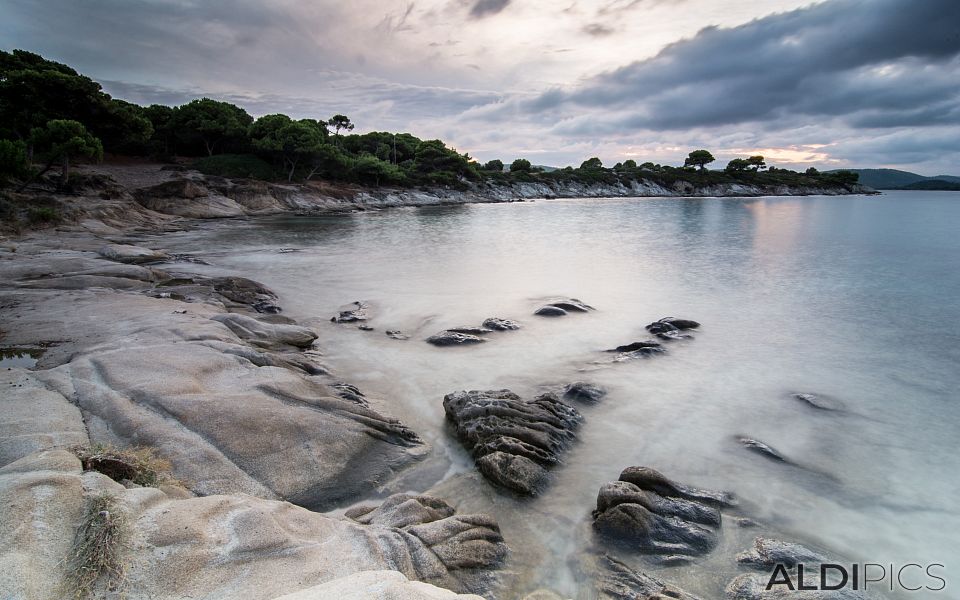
x=138 y=464
x=96 y=555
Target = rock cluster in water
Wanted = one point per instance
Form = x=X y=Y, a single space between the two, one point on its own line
x=357 y=312
x=652 y=514
x=466 y=335
x=667 y=328
x=513 y=442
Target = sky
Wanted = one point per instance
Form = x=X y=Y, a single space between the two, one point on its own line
x=831 y=84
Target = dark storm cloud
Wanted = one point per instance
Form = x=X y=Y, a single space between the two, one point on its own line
x=867 y=61
x=485 y=8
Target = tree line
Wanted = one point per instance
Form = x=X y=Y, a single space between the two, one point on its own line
x=51 y=115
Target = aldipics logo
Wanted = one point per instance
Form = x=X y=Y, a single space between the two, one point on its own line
x=911 y=577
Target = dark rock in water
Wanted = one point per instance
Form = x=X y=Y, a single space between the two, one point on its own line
x=680 y=323
x=359 y=313
x=513 y=441
x=572 y=305
x=644 y=345
x=767 y=552
x=745 y=522
x=350 y=392
x=498 y=324
x=658 y=328
x=364 y=328
x=470 y=330
x=673 y=334
x=620 y=582
x=655 y=515
x=643 y=352
x=560 y=308
x=584 y=392
x=397 y=335
x=452 y=338
x=819 y=402
x=550 y=311
x=762 y=449
x=245 y=291
x=458 y=551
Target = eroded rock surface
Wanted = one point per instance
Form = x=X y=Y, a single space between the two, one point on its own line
x=233 y=546
x=581 y=391
x=499 y=324
x=357 y=312
x=617 y=581
x=652 y=514
x=454 y=338
x=514 y=442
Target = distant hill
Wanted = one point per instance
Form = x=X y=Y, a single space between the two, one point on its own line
x=893 y=179
x=933 y=184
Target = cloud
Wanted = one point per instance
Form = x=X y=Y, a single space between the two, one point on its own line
x=486 y=8
x=597 y=29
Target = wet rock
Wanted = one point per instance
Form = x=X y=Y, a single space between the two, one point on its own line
x=352 y=315
x=470 y=330
x=397 y=335
x=818 y=401
x=266 y=335
x=754 y=587
x=243 y=291
x=680 y=323
x=620 y=582
x=768 y=552
x=673 y=334
x=582 y=391
x=652 y=514
x=452 y=338
x=126 y=253
x=763 y=449
x=364 y=328
x=499 y=324
x=514 y=442
x=560 y=308
x=646 y=346
x=350 y=392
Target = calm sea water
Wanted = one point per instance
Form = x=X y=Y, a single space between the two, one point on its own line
x=855 y=298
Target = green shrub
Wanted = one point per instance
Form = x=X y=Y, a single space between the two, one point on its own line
x=236 y=166
x=13 y=160
x=42 y=214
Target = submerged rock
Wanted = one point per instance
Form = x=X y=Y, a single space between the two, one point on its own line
x=652 y=514
x=513 y=441
x=818 y=401
x=763 y=449
x=768 y=552
x=550 y=311
x=680 y=323
x=396 y=334
x=617 y=581
x=246 y=292
x=499 y=324
x=754 y=587
x=470 y=330
x=645 y=346
x=582 y=391
x=453 y=338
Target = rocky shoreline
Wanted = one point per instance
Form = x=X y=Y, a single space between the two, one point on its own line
x=135 y=348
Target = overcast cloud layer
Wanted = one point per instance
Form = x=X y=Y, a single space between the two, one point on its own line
x=833 y=83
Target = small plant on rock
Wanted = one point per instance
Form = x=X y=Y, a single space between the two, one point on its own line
x=138 y=464
x=96 y=557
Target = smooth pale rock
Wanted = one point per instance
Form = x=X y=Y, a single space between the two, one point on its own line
x=582 y=391
x=226 y=547
x=267 y=335
x=376 y=585
x=513 y=441
x=453 y=338
x=125 y=253
x=35 y=418
x=499 y=324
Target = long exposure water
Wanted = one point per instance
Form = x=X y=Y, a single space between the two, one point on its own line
x=854 y=298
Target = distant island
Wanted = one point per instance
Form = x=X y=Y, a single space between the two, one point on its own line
x=894 y=179
x=52 y=118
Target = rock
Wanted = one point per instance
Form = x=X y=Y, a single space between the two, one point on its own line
x=452 y=338
x=240 y=546
x=560 y=308
x=763 y=449
x=646 y=346
x=376 y=585
x=550 y=311
x=35 y=418
x=819 y=402
x=619 y=582
x=125 y=253
x=673 y=334
x=768 y=552
x=582 y=391
x=754 y=587
x=680 y=323
x=267 y=335
x=513 y=441
x=498 y=324
x=359 y=313
x=648 y=512
x=243 y=291
x=470 y=330
x=397 y=335
x=364 y=328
